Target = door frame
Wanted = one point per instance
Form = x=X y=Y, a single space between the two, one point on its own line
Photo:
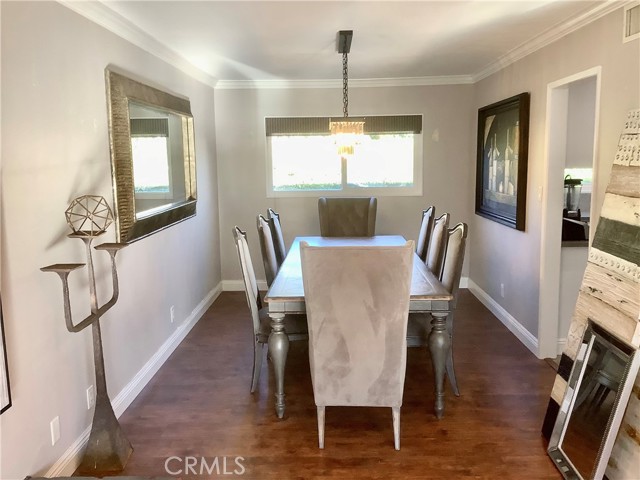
x=549 y=345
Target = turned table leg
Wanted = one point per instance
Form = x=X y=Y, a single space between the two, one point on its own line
x=278 y=349
x=439 y=345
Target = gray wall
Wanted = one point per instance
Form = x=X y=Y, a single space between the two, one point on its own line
x=448 y=115
x=502 y=255
x=582 y=107
x=55 y=147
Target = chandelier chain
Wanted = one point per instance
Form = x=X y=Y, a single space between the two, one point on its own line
x=345 y=87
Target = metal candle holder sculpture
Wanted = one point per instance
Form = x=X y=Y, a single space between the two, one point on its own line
x=108 y=449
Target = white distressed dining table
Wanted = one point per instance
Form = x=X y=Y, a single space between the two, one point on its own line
x=286 y=296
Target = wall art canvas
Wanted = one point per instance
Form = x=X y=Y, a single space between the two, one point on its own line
x=501 y=172
x=5 y=393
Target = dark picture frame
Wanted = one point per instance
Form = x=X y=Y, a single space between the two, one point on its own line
x=501 y=171
x=5 y=391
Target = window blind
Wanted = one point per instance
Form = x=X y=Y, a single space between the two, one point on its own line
x=378 y=124
x=149 y=127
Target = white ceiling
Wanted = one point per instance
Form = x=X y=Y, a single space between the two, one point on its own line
x=296 y=40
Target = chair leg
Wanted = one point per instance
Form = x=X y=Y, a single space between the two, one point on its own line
x=258 y=353
x=320 y=427
x=395 y=413
x=451 y=373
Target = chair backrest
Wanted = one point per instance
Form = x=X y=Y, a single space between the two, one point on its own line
x=269 y=259
x=454 y=258
x=278 y=239
x=426 y=226
x=437 y=244
x=249 y=277
x=357 y=301
x=347 y=217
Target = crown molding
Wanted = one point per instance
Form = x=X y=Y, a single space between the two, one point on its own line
x=549 y=36
x=275 y=83
x=99 y=13
x=337 y=83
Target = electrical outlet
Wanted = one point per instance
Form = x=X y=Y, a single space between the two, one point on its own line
x=91 y=397
x=502 y=290
x=55 y=430
x=172 y=312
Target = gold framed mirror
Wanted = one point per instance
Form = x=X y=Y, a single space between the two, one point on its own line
x=153 y=162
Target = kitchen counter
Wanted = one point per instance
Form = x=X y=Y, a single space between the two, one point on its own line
x=575 y=243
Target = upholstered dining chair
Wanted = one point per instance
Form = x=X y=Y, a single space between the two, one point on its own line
x=295 y=325
x=269 y=259
x=278 y=238
x=347 y=217
x=357 y=353
x=426 y=226
x=437 y=244
x=419 y=323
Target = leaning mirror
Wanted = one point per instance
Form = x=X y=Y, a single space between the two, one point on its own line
x=597 y=393
x=152 y=157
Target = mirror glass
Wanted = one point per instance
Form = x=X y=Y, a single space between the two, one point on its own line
x=152 y=157
x=585 y=428
x=157 y=153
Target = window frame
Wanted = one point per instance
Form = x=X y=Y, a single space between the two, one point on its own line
x=350 y=191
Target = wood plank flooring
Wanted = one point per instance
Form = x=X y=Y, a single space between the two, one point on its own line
x=199 y=405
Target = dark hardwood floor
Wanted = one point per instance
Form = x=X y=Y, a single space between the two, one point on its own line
x=199 y=405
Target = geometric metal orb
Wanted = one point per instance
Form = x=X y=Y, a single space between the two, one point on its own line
x=89 y=215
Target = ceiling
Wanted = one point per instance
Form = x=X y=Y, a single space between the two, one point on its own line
x=296 y=40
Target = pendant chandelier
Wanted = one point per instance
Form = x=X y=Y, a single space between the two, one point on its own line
x=346 y=133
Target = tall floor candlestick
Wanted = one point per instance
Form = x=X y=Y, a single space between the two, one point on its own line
x=108 y=449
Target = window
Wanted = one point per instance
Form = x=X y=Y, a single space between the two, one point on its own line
x=302 y=158
x=631 y=23
x=150 y=153
x=585 y=174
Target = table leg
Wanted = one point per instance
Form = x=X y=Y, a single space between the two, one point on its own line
x=439 y=345
x=278 y=349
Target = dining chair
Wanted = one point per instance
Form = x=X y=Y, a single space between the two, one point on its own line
x=437 y=244
x=357 y=353
x=295 y=325
x=426 y=226
x=420 y=323
x=278 y=238
x=347 y=217
x=602 y=376
x=269 y=259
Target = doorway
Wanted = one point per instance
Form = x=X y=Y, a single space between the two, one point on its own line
x=573 y=105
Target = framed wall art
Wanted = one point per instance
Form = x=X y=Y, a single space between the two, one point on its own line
x=501 y=171
x=5 y=393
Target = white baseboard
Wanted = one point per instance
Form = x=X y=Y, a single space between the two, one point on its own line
x=562 y=343
x=526 y=337
x=238 y=285
x=69 y=461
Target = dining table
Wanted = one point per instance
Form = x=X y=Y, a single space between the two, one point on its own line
x=286 y=296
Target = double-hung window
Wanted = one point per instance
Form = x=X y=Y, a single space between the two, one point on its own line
x=302 y=157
